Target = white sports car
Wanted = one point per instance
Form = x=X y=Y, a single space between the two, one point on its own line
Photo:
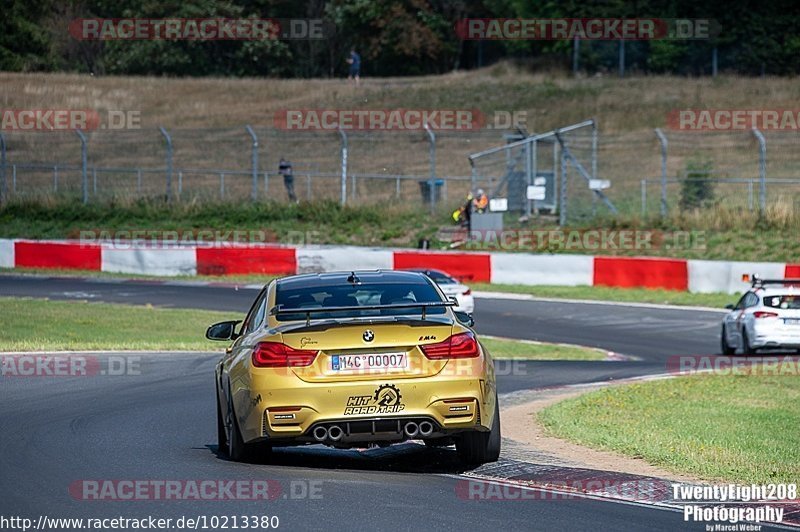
x=766 y=316
x=452 y=288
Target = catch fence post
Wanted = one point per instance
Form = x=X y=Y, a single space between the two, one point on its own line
x=84 y=177
x=169 y=162
x=662 y=139
x=343 y=135
x=254 y=157
x=762 y=170
x=432 y=157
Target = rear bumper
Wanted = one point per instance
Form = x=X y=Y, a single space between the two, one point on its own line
x=776 y=342
x=776 y=337
x=290 y=414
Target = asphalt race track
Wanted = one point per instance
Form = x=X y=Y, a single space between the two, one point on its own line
x=160 y=425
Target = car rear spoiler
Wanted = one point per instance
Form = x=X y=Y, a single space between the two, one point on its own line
x=756 y=281
x=277 y=310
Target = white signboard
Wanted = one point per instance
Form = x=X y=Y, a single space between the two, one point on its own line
x=540 y=181
x=498 y=204
x=536 y=192
x=599 y=184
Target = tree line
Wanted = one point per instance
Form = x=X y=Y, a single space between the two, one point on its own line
x=396 y=38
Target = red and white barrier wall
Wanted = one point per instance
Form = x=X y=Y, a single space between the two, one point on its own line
x=503 y=268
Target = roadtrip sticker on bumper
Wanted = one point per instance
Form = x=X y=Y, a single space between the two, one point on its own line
x=385 y=400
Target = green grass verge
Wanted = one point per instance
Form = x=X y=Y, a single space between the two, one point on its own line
x=607 y=293
x=505 y=348
x=728 y=428
x=718 y=234
x=35 y=324
x=320 y=222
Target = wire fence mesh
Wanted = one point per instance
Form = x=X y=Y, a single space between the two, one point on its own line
x=675 y=172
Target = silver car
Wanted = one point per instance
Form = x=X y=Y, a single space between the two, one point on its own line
x=766 y=317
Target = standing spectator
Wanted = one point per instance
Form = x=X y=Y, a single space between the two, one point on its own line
x=480 y=203
x=355 y=66
x=285 y=169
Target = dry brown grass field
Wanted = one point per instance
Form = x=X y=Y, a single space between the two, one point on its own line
x=206 y=118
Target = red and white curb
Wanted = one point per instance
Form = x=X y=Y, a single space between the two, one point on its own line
x=700 y=276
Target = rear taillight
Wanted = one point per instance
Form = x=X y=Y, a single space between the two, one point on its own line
x=467 y=292
x=763 y=314
x=462 y=345
x=277 y=355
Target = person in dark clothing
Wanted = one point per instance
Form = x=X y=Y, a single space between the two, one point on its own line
x=463 y=215
x=285 y=169
x=355 y=66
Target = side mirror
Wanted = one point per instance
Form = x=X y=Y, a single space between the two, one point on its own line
x=223 y=331
x=465 y=319
x=729 y=306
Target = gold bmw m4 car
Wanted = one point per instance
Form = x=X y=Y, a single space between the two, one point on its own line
x=355 y=359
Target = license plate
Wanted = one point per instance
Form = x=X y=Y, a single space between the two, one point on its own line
x=791 y=321
x=369 y=362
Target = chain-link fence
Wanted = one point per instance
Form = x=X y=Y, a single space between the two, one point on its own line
x=575 y=172
x=582 y=173
x=547 y=172
x=241 y=163
x=739 y=171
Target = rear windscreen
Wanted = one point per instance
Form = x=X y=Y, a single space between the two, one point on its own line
x=362 y=295
x=785 y=301
x=441 y=278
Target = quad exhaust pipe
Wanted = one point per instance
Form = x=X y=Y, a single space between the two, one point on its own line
x=320 y=433
x=425 y=428
x=335 y=433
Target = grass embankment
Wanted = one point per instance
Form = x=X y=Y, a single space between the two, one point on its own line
x=718 y=235
x=40 y=325
x=627 y=111
x=323 y=222
x=726 y=428
x=551 y=98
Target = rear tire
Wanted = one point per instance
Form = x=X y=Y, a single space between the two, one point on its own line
x=481 y=447
x=726 y=349
x=236 y=449
x=222 y=437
